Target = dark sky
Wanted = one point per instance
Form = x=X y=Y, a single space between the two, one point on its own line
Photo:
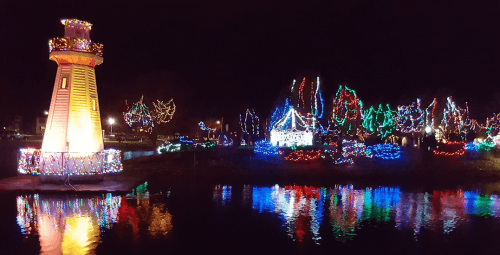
x=216 y=58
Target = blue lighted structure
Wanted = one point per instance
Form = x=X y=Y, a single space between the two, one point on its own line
x=383 y=151
x=265 y=148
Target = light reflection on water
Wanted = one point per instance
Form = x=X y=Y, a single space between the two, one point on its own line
x=67 y=226
x=75 y=225
x=302 y=209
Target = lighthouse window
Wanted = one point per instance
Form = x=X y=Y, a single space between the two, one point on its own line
x=63 y=83
x=94 y=106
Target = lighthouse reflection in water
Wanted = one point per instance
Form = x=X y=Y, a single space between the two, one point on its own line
x=68 y=226
x=344 y=210
x=75 y=225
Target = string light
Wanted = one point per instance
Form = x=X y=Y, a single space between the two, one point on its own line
x=279 y=112
x=34 y=162
x=383 y=151
x=265 y=148
x=169 y=147
x=410 y=119
x=353 y=149
x=75 y=44
x=224 y=140
x=310 y=107
x=286 y=135
x=429 y=114
x=303 y=155
x=164 y=112
x=380 y=121
x=139 y=113
x=456 y=148
x=250 y=116
x=453 y=117
x=347 y=110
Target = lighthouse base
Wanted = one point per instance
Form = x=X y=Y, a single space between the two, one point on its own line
x=64 y=164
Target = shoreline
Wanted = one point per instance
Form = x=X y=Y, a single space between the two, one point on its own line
x=233 y=166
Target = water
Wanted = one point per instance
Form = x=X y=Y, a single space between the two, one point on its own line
x=134 y=154
x=245 y=219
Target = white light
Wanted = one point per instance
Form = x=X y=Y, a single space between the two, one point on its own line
x=428 y=130
x=111 y=121
x=288 y=138
x=218 y=122
x=46 y=112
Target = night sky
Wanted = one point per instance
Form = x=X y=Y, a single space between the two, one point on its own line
x=217 y=58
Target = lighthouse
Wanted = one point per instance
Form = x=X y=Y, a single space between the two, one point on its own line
x=74 y=122
x=72 y=143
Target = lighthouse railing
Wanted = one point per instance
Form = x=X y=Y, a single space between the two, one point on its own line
x=36 y=162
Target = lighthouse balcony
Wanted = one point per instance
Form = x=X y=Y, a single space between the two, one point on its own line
x=75 y=44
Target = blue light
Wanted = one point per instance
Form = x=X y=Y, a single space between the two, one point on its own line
x=322 y=106
x=184 y=140
x=383 y=151
x=265 y=147
x=279 y=112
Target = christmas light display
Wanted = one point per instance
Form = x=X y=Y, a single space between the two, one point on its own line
x=347 y=112
x=224 y=140
x=493 y=125
x=303 y=155
x=250 y=125
x=453 y=117
x=169 y=147
x=449 y=148
x=205 y=145
x=76 y=38
x=205 y=128
x=430 y=114
x=343 y=161
x=163 y=112
x=139 y=114
x=146 y=119
x=383 y=151
x=380 y=121
x=279 y=112
x=350 y=150
x=318 y=111
x=486 y=145
x=183 y=139
x=468 y=125
x=75 y=44
x=308 y=100
x=472 y=150
x=353 y=149
x=264 y=147
x=291 y=130
x=35 y=162
x=254 y=130
x=410 y=119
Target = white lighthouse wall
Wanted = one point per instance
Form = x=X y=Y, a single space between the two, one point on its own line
x=74 y=125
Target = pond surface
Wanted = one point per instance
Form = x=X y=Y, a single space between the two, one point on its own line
x=247 y=219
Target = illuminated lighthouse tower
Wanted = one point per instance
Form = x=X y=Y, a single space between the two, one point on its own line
x=74 y=123
x=72 y=143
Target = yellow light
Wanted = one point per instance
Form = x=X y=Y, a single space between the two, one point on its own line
x=80 y=236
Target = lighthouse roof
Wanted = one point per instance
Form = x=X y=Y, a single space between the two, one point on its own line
x=76 y=23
